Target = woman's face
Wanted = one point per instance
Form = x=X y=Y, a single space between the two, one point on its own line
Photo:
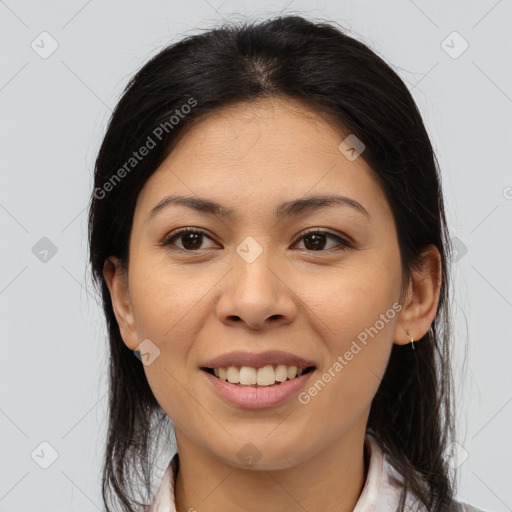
x=255 y=282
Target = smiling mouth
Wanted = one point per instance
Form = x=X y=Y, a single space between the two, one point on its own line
x=247 y=376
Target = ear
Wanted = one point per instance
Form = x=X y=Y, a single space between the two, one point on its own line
x=420 y=305
x=117 y=281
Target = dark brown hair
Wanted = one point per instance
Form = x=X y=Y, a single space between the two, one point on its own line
x=335 y=74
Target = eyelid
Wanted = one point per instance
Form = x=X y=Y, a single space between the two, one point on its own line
x=347 y=239
x=175 y=234
x=344 y=240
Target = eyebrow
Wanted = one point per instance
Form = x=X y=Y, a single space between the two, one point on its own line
x=287 y=209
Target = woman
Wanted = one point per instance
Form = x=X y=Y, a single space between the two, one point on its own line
x=268 y=234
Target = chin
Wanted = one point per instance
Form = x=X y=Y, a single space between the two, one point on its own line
x=264 y=453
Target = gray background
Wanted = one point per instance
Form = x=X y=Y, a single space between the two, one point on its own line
x=53 y=114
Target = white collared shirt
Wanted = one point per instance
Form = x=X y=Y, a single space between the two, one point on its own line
x=381 y=492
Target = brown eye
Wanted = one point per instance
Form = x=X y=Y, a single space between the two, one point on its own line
x=191 y=239
x=315 y=240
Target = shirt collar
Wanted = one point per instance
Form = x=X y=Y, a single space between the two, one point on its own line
x=380 y=492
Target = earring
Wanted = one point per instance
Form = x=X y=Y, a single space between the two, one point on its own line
x=412 y=339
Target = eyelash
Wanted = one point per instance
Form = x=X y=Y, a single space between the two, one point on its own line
x=168 y=241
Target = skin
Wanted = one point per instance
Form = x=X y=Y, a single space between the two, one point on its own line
x=200 y=304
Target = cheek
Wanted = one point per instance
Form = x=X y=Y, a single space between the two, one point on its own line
x=343 y=308
x=358 y=345
x=166 y=301
x=347 y=303
x=165 y=309
x=355 y=315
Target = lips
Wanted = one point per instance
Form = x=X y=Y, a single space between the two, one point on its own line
x=257 y=397
x=273 y=357
x=257 y=381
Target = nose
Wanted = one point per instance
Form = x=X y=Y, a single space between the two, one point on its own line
x=256 y=294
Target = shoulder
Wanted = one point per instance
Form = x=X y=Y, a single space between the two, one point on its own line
x=465 y=507
x=390 y=487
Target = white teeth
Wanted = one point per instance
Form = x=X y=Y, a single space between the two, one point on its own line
x=291 y=371
x=265 y=376
x=247 y=375
x=281 y=373
x=233 y=375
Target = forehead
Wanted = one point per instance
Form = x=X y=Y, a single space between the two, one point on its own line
x=277 y=123
x=254 y=155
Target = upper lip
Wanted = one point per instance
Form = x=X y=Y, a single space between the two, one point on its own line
x=272 y=357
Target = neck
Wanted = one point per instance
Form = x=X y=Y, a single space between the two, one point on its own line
x=331 y=481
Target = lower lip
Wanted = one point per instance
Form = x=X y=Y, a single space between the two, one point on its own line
x=261 y=397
